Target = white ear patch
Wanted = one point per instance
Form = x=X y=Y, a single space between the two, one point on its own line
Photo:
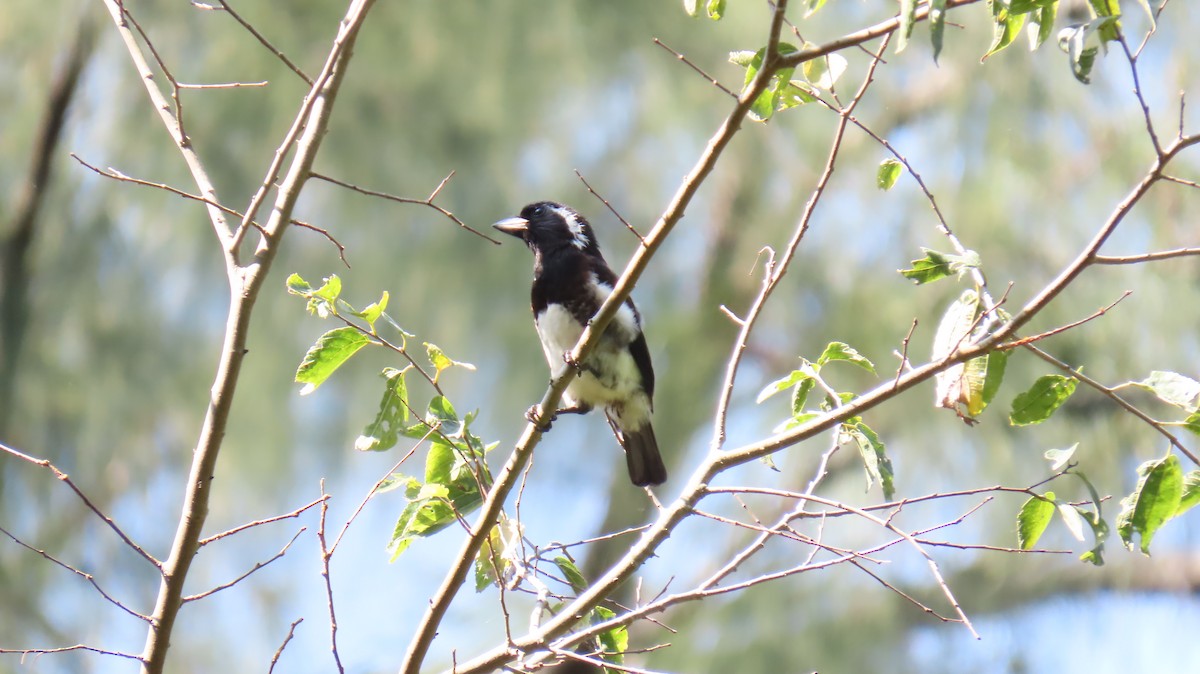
x=578 y=236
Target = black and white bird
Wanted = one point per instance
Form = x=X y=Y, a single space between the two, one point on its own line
x=570 y=282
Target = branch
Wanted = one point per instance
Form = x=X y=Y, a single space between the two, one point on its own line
x=246 y=284
x=86 y=501
x=244 y=576
x=509 y=474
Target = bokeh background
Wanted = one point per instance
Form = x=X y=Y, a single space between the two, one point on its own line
x=128 y=298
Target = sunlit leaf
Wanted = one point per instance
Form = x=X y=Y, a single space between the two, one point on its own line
x=441 y=361
x=1060 y=457
x=1033 y=518
x=875 y=459
x=824 y=71
x=571 y=574
x=889 y=171
x=1190 y=495
x=1072 y=519
x=374 y=310
x=1042 y=399
x=1005 y=28
x=1041 y=24
x=783 y=384
x=692 y=7
x=1155 y=500
x=908 y=19
x=390 y=420
x=716 y=9
x=1172 y=388
x=840 y=351
x=937 y=26
x=327 y=355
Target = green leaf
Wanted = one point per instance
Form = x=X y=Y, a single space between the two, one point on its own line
x=934 y=266
x=908 y=19
x=441 y=361
x=795 y=93
x=800 y=396
x=1060 y=457
x=811 y=7
x=997 y=362
x=773 y=97
x=1005 y=28
x=937 y=25
x=1190 y=495
x=390 y=420
x=875 y=460
x=840 y=351
x=1107 y=11
x=1155 y=500
x=1033 y=518
x=426 y=513
x=438 y=463
x=614 y=642
x=889 y=171
x=1026 y=6
x=1042 y=399
x=1192 y=423
x=298 y=286
x=1172 y=388
x=691 y=7
x=1082 y=42
x=824 y=71
x=323 y=300
x=783 y=384
x=716 y=9
x=1072 y=519
x=951 y=386
x=571 y=573
x=494 y=562
x=327 y=355
x=373 y=311
x=1041 y=24
x=442 y=414
x=1095 y=556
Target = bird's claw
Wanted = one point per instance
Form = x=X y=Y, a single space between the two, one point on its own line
x=572 y=363
x=534 y=416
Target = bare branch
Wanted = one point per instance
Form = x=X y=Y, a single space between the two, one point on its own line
x=326 y=553
x=695 y=67
x=286 y=640
x=610 y=207
x=86 y=576
x=408 y=200
x=44 y=463
x=70 y=649
x=1147 y=257
x=257 y=35
x=1063 y=328
x=244 y=576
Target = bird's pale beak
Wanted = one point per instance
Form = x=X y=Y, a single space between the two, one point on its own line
x=513 y=226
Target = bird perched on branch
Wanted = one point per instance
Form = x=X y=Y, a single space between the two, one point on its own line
x=570 y=282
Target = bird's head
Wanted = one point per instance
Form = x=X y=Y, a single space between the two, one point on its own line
x=546 y=226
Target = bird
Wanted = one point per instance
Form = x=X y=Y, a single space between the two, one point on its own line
x=571 y=280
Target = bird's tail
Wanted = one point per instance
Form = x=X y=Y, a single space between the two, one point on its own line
x=641 y=455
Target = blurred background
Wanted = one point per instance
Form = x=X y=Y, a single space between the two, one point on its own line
x=126 y=298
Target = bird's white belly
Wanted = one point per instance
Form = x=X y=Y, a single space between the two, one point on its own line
x=610 y=374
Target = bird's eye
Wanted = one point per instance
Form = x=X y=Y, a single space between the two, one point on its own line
x=538 y=210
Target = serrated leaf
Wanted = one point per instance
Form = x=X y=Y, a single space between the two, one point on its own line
x=1042 y=399
x=327 y=355
x=889 y=171
x=937 y=26
x=1190 y=495
x=571 y=573
x=1155 y=500
x=1071 y=519
x=1060 y=457
x=323 y=300
x=908 y=19
x=1172 y=388
x=840 y=351
x=383 y=433
x=800 y=396
x=773 y=97
x=932 y=267
x=875 y=459
x=1032 y=520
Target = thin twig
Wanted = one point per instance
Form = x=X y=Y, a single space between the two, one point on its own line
x=70 y=649
x=286 y=640
x=44 y=463
x=1147 y=257
x=244 y=576
x=610 y=207
x=1062 y=328
x=325 y=576
x=82 y=574
x=697 y=68
x=257 y=523
x=428 y=201
x=257 y=35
